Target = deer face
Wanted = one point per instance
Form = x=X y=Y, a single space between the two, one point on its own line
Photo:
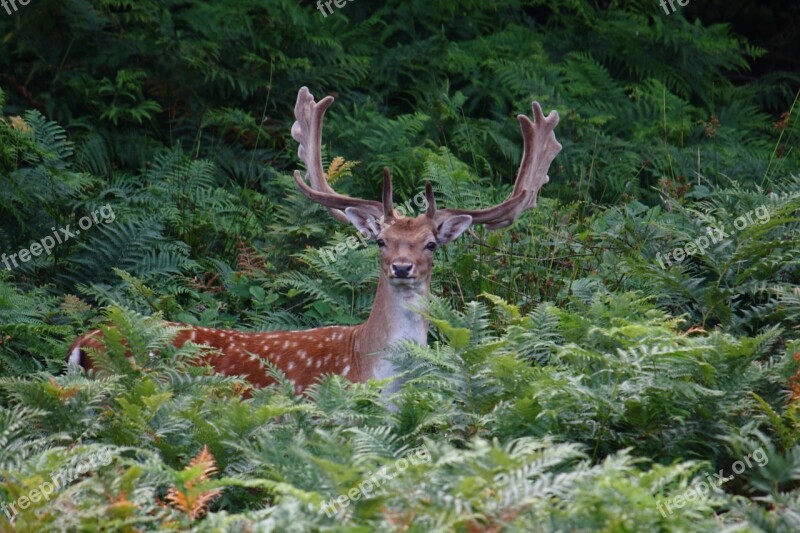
x=407 y=245
x=407 y=249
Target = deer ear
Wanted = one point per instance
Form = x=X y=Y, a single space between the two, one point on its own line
x=452 y=227
x=364 y=222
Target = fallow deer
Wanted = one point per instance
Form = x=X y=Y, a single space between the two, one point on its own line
x=407 y=246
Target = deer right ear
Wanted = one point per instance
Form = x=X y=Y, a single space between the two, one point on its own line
x=451 y=227
x=364 y=222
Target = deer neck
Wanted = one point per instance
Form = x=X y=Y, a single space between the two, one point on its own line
x=393 y=319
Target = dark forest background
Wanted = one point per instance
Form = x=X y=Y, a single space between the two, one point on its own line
x=565 y=347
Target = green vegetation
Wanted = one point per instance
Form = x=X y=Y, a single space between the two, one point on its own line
x=570 y=383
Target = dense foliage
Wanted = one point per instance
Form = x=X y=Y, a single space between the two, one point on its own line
x=580 y=373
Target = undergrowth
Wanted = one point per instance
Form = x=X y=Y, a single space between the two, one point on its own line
x=574 y=379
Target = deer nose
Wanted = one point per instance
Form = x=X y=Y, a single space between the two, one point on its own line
x=402 y=269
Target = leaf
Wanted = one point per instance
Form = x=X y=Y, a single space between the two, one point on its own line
x=458 y=338
x=511 y=310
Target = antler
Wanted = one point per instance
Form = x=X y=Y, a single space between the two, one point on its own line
x=541 y=147
x=307 y=130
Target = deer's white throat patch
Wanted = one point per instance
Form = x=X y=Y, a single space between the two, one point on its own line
x=407 y=326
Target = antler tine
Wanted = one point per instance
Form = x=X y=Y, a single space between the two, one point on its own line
x=540 y=148
x=388 y=210
x=307 y=131
x=431 y=199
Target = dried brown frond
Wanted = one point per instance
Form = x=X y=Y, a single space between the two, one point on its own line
x=72 y=305
x=18 y=123
x=193 y=501
x=121 y=507
x=243 y=390
x=711 y=127
x=794 y=381
x=340 y=168
x=207 y=282
x=695 y=329
x=249 y=261
x=493 y=526
x=783 y=123
x=63 y=393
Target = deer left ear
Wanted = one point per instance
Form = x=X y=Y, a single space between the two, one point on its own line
x=364 y=221
x=452 y=227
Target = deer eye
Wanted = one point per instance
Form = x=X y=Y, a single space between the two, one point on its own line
x=381 y=243
x=431 y=246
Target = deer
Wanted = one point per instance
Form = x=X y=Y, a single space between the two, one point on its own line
x=406 y=248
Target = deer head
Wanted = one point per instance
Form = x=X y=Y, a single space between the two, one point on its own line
x=408 y=244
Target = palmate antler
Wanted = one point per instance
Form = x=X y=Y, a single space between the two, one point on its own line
x=307 y=130
x=540 y=148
